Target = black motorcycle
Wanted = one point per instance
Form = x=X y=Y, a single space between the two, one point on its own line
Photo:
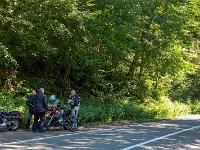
x=10 y=120
x=56 y=116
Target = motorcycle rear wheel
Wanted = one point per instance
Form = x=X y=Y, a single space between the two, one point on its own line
x=67 y=123
x=14 y=125
x=46 y=124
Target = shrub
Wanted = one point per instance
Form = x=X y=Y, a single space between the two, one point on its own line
x=165 y=108
x=195 y=108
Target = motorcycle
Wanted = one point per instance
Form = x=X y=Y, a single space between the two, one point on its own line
x=10 y=120
x=56 y=117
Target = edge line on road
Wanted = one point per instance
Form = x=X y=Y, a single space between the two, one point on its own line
x=159 y=138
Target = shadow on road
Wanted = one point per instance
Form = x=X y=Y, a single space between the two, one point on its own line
x=112 y=137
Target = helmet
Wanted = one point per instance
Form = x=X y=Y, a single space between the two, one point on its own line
x=52 y=97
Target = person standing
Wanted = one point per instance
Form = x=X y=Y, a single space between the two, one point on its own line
x=29 y=103
x=75 y=107
x=40 y=107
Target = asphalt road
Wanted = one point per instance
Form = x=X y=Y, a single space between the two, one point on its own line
x=180 y=134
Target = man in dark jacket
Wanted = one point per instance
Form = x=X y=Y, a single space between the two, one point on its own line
x=29 y=103
x=40 y=107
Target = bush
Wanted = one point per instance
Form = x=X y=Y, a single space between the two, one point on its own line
x=97 y=111
x=92 y=111
x=195 y=108
x=165 y=108
x=11 y=102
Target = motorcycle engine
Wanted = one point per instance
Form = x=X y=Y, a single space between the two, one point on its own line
x=59 y=113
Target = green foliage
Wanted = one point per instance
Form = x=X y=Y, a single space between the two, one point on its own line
x=165 y=108
x=95 y=111
x=11 y=101
x=6 y=60
x=106 y=49
x=100 y=45
x=137 y=112
x=195 y=108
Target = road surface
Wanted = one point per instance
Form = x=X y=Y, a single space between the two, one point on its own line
x=180 y=134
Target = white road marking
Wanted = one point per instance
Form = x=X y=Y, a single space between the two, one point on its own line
x=159 y=138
